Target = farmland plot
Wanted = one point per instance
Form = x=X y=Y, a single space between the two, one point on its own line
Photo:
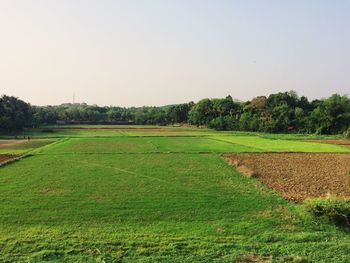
x=128 y=201
x=104 y=145
x=276 y=145
x=148 y=145
x=297 y=176
x=329 y=141
x=108 y=197
x=198 y=144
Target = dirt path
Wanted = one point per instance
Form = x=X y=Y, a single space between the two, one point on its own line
x=297 y=176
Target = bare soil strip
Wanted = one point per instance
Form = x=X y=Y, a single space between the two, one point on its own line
x=109 y=129
x=297 y=176
x=5 y=158
x=337 y=142
x=9 y=143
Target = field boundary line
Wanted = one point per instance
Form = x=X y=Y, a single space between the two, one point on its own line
x=50 y=145
x=234 y=143
x=127 y=171
x=167 y=152
x=167 y=182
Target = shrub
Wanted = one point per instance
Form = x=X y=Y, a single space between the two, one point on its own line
x=347 y=134
x=335 y=209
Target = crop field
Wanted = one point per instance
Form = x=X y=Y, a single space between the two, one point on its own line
x=280 y=145
x=148 y=145
x=91 y=195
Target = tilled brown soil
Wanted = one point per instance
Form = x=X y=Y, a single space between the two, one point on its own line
x=297 y=176
x=6 y=157
x=338 y=142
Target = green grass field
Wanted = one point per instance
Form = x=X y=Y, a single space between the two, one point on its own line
x=155 y=198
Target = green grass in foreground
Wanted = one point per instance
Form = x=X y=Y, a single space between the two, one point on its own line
x=149 y=207
x=128 y=199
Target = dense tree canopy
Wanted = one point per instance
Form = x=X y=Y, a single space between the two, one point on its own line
x=280 y=112
x=14 y=113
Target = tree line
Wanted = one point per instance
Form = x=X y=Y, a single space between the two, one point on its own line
x=277 y=113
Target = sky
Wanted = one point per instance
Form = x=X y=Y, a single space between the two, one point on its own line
x=159 y=52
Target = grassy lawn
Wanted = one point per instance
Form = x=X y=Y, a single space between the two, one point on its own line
x=166 y=199
x=279 y=145
x=148 y=145
x=104 y=145
x=163 y=207
x=198 y=144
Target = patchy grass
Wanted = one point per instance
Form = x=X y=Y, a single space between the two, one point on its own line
x=22 y=146
x=162 y=208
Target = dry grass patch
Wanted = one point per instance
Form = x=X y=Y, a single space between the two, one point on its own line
x=253 y=259
x=52 y=191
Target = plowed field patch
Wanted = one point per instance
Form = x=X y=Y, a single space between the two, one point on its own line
x=6 y=157
x=297 y=176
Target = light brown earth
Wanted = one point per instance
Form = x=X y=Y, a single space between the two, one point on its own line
x=297 y=176
x=9 y=143
x=337 y=142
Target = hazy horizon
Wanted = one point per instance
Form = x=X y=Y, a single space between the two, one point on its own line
x=160 y=105
x=136 y=53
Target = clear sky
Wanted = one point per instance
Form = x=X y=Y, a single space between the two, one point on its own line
x=157 y=52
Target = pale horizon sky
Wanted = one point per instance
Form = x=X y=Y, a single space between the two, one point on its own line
x=159 y=52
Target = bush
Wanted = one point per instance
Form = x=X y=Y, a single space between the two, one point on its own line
x=347 y=134
x=335 y=209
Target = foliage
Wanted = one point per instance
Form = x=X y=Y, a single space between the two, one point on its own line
x=14 y=114
x=283 y=112
x=335 y=209
x=347 y=133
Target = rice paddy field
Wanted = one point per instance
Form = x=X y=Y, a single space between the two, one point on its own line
x=167 y=194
